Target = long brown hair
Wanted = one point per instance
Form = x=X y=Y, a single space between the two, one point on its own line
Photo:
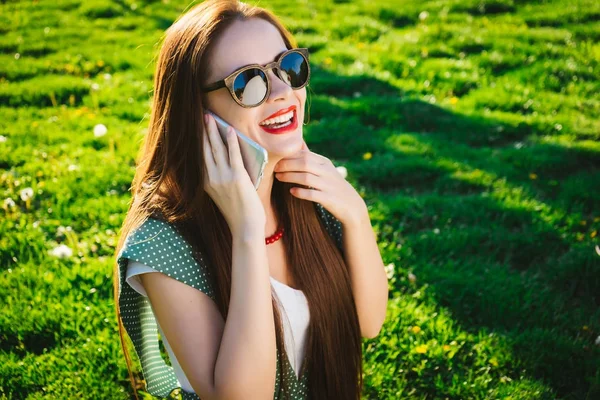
x=169 y=182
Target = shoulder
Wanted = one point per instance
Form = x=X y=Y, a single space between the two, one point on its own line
x=159 y=245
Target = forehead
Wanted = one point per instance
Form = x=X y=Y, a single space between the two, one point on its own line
x=253 y=41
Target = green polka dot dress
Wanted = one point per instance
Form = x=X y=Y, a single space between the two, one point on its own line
x=160 y=246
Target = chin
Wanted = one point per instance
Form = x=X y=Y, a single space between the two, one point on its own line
x=282 y=146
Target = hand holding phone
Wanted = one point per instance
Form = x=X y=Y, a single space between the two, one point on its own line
x=255 y=156
x=228 y=184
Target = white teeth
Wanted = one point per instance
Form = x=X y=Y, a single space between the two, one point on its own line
x=279 y=119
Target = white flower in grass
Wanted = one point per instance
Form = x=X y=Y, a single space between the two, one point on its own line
x=436 y=231
x=95 y=86
x=26 y=194
x=343 y=171
x=3 y=139
x=423 y=15
x=598 y=250
x=73 y=167
x=412 y=278
x=61 y=251
x=100 y=130
x=107 y=77
x=598 y=341
x=9 y=203
x=389 y=270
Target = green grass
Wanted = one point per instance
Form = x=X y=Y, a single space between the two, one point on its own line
x=471 y=127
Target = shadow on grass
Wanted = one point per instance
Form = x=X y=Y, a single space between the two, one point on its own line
x=489 y=217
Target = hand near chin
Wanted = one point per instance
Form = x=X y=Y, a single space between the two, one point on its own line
x=326 y=185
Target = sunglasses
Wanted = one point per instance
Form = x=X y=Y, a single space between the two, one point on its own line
x=250 y=86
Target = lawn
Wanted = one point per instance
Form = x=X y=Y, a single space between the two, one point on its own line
x=470 y=127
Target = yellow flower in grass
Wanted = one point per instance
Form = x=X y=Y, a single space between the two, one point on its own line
x=416 y=329
x=367 y=156
x=446 y=347
x=453 y=100
x=494 y=361
x=532 y=176
x=593 y=234
x=421 y=349
x=328 y=61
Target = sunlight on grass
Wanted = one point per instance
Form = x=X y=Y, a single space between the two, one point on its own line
x=471 y=128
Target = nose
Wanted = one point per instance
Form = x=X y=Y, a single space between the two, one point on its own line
x=279 y=88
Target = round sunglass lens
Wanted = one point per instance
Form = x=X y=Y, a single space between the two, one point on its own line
x=250 y=86
x=294 y=69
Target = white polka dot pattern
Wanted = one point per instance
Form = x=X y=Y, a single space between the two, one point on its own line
x=159 y=245
x=333 y=226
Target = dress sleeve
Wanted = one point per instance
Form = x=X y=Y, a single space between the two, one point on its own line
x=332 y=225
x=157 y=246
x=132 y=276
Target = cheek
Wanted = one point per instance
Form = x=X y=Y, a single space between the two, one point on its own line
x=301 y=96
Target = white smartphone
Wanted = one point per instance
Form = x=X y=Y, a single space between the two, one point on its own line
x=255 y=156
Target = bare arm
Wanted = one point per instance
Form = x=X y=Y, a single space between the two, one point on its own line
x=247 y=356
x=222 y=360
x=369 y=279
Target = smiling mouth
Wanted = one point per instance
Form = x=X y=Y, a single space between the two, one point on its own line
x=284 y=123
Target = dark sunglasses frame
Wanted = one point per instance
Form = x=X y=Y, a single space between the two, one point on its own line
x=230 y=79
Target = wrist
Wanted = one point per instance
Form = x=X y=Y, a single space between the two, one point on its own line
x=358 y=218
x=249 y=232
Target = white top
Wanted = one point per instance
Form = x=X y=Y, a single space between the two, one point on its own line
x=294 y=313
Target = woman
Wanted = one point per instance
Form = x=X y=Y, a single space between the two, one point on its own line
x=241 y=316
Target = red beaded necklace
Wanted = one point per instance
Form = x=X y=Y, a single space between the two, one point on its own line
x=275 y=237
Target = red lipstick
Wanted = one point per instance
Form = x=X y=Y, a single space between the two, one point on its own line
x=282 y=111
x=292 y=126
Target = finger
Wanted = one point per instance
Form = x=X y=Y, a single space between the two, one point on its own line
x=207 y=151
x=216 y=142
x=301 y=178
x=209 y=160
x=301 y=164
x=308 y=194
x=235 y=156
x=305 y=153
